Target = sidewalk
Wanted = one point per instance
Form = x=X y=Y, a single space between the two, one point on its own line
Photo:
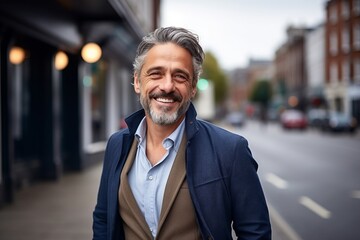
x=63 y=210
x=53 y=210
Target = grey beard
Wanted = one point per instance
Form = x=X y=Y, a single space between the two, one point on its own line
x=164 y=118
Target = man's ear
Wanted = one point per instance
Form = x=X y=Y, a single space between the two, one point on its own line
x=193 y=92
x=136 y=83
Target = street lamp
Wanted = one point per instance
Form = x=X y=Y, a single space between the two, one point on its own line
x=16 y=55
x=61 y=60
x=91 y=52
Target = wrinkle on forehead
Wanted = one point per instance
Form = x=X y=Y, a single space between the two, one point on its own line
x=169 y=56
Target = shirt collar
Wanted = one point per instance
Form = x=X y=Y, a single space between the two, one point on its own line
x=174 y=139
x=141 y=131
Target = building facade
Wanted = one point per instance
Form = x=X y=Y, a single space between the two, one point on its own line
x=342 y=56
x=238 y=93
x=290 y=74
x=315 y=65
x=60 y=102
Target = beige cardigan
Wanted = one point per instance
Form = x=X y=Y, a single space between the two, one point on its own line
x=177 y=217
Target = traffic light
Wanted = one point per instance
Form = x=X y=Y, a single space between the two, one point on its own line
x=202 y=84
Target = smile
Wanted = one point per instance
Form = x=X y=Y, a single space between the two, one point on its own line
x=165 y=100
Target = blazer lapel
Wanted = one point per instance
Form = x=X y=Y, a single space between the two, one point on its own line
x=128 y=195
x=175 y=180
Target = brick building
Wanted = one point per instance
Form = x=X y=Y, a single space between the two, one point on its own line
x=342 y=56
x=290 y=73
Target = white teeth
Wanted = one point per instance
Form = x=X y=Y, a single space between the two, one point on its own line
x=166 y=100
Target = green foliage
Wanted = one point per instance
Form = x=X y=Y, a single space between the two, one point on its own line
x=261 y=92
x=213 y=72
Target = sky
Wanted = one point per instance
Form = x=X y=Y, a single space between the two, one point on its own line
x=237 y=30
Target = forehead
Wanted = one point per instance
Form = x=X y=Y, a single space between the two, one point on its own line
x=168 y=55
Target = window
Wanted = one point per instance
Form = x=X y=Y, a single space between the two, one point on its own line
x=333 y=73
x=333 y=14
x=333 y=44
x=356 y=7
x=345 y=41
x=345 y=9
x=345 y=71
x=356 y=36
x=357 y=70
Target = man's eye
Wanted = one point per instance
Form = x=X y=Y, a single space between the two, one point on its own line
x=155 y=74
x=181 y=77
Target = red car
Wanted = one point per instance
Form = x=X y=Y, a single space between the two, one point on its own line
x=293 y=119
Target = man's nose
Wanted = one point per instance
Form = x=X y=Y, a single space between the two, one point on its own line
x=167 y=83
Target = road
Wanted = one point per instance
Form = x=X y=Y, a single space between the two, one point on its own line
x=311 y=179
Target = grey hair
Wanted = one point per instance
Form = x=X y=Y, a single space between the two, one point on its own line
x=179 y=36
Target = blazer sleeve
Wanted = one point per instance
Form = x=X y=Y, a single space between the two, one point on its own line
x=250 y=212
x=100 y=214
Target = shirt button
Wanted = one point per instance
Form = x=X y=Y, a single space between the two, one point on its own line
x=150 y=177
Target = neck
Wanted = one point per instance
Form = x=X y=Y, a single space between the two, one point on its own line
x=157 y=133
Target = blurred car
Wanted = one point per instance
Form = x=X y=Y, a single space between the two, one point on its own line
x=293 y=119
x=316 y=117
x=339 y=122
x=236 y=119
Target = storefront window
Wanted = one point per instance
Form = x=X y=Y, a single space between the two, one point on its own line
x=98 y=102
x=20 y=105
x=93 y=107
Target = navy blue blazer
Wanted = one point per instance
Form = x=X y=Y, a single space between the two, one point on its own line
x=221 y=175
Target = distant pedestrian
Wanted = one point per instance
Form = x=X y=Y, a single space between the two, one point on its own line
x=172 y=176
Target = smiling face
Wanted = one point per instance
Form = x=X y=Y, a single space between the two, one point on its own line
x=165 y=83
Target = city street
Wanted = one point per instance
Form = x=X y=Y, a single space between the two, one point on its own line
x=311 y=182
x=311 y=179
x=71 y=72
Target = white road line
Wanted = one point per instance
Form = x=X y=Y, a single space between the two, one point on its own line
x=355 y=194
x=280 y=223
x=315 y=207
x=276 y=181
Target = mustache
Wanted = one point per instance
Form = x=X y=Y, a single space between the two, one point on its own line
x=172 y=95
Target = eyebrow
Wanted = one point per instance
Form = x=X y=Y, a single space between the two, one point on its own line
x=154 y=69
x=176 y=70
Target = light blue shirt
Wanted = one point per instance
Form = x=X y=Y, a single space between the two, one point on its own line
x=148 y=182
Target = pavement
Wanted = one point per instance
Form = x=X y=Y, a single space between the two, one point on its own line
x=62 y=210
x=59 y=210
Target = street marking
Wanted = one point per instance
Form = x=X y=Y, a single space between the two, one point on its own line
x=356 y=194
x=279 y=222
x=276 y=181
x=315 y=207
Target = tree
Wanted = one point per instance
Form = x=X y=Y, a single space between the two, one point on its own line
x=213 y=72
x=261 y=94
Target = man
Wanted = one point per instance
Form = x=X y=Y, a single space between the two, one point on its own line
x=170 y=175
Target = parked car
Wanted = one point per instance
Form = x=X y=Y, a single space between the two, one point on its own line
x=293 y=119
x=316 y=117
x=339 y=122
x=236 y=119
